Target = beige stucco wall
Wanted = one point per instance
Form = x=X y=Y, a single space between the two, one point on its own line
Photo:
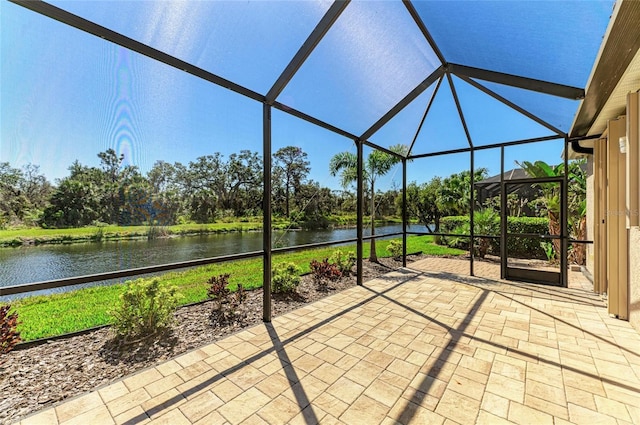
x=634 y=277
x=590 y=213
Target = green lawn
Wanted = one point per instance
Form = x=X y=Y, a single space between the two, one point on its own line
x=37 y=235
x=50 y=315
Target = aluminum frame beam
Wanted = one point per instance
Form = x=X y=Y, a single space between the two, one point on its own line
x=424 y=116
x=327 y=21
x=423 y=29
x=459 y=108
x=510 y=104
x=308 y=118
x=540 y=86
x=360 y=212
x=266 y=213
x=413 y=94
x=380 y=148
x=90 y=27
x=492 y=146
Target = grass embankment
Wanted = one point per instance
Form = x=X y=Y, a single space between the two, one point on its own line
x=50 y=315
x=40 y=236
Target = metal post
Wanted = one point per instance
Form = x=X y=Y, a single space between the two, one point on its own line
x=564 y=217
x=266 y=213
x=404 y=212
x=360 y=209
x=472 y=206
x=503 y=219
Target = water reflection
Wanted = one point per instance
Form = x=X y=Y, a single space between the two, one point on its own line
x=47 y=262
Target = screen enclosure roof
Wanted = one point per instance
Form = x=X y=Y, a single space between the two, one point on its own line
x=438 y=76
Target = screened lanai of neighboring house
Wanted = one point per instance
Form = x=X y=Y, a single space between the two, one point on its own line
x=469 y=80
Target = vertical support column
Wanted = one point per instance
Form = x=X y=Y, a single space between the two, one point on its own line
x=600 y=285
x=503 y=219
x=404 y=212
x=471 y=208
x=633 y=159
x=266 y=213
x=360 y=210
x=617 y=244
x=564 y=217
x=633 y=207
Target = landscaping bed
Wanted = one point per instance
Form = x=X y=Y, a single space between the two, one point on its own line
x=39 y=376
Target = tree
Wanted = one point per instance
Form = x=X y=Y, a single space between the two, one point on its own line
x=423 y=202
x=111 y=163
x=235 y=185
x=10 y=203
x=550 y=198
x=455 y=191
x=290 y=168
x=576 y=202
x=24 y=194
x=243 y=182
x=377 y=164
x=74 y=203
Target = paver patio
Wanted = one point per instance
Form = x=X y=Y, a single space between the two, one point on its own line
x=412 y=347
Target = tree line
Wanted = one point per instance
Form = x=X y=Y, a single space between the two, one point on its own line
x=210 y=188
x=214 y=187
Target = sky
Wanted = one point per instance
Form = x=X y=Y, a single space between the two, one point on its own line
x=67 y=95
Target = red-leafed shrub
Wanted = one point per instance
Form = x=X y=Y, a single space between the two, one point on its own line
x=324 y=272
x=226 y=303
x=9 y=336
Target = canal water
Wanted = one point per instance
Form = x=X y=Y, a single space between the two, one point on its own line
x=46 y=262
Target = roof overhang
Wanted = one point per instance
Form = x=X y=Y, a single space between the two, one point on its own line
x=615 y=73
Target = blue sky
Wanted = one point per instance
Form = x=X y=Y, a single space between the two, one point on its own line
x=67 y=95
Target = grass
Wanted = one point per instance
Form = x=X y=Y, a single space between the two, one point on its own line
x=39 y=236
x=50 y=315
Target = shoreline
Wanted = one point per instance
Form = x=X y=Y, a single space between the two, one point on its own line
x=99 y=235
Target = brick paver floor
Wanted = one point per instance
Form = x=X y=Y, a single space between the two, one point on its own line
x=412 y=347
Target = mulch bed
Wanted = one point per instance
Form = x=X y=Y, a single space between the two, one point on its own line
x=38 y=376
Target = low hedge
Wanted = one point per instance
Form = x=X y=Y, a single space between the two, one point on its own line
x=517 y=247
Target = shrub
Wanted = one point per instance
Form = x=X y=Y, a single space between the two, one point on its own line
x=285 y=277
x=517 y=247
x=323 y=272
x=145 y=309
x=9 y=336
x=226 y=303
x=395 y=248
x=344 y=261
x=155 y=231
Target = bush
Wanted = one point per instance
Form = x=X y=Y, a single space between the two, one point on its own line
x=448 y=224
x=9 y=336
x=285 y=277
x=226 y=303
x=517 y=247
x=395 y=248
x=343 y=261
x=323 y=272
x=145 y=309
x=526 y=247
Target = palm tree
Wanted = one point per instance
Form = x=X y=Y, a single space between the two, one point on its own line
x=576 y=201
x=550 y=195
x=377 y=164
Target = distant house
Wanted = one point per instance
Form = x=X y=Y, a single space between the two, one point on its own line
x=490 y=188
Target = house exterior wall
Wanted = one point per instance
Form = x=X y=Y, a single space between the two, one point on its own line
x=615 y=220
x=634 y=277
x=590 y=213
x=633 y=205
